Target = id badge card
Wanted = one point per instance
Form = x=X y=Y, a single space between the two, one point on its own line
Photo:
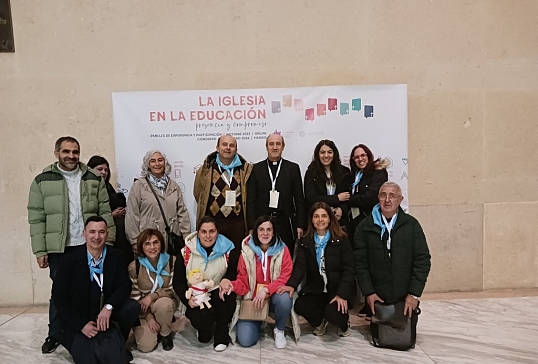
x=230 y=198
x=355 y=211
x=273 y=199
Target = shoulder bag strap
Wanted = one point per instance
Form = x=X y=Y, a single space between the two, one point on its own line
x=167 y=228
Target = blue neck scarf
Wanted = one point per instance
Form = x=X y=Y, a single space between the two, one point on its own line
x=376 y=214
x=96 y=266
x=321 y=243
x=273 y=250
x=358 y=177
x=164 y=258
x=222 y=246
x=229 y=168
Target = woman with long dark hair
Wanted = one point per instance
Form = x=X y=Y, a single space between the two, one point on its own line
x=325 y=257
x=367 y=177
x=325 y=180
x=118 y=204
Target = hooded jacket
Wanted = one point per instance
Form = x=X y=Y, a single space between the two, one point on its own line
x=202 y=184
x=48 y=208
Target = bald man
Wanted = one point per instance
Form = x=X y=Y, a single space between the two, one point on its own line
x=220 y=189
x=275 y=188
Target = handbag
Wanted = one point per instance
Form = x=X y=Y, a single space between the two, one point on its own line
x=175 y=242
x=390 y=314
x=392 y=329
x=109 y=346
x=248 y=312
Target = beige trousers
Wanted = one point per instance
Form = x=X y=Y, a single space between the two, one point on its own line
x=163 y=309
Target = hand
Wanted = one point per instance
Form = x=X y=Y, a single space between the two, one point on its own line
x=259 y=300
x=410 y=305
x=145 y=303
x=89 y=330
x=342 y=303
x=370 y=301
x=299 y=233
x=103 y=319
x=43 y=261
x=337 y=213
x=283 y=289
x=343 y=196
x=225 y=288
x=120 y=211
x=135 y=250
x=154 y=326
x=192 y=302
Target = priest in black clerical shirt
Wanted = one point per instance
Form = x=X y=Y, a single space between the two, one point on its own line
x=275 y=188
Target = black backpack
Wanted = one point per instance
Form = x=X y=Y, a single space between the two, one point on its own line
x=404 y=338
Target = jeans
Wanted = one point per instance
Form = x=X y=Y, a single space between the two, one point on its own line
x=248 y=332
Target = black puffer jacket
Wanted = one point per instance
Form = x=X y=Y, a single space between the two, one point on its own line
x=339 y=267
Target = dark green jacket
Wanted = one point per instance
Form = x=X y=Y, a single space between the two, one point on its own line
x=48 y=208
x=404 y=272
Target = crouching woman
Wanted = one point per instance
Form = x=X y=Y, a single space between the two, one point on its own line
x=265 y=265
x=151 y=274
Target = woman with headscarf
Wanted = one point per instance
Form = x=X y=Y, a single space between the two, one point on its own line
x=143 y=210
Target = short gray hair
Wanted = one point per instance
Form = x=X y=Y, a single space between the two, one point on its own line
x=145 y=163
x=392 y=184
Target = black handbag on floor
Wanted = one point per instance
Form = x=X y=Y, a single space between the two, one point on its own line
x=392 y=329
x=175 y=242
x=109 y=346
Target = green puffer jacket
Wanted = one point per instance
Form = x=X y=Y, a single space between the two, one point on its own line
x=48 y=208
x=404 y=272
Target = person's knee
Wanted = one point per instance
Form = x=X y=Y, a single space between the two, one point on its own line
x=247 y=338
x=282 y=301
x=164 y=304
x=147 y=344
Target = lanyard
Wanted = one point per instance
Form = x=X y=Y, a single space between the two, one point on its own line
x=264 y=266
x=223 y=175
x=273 y=179
x=99 y=281
x=154 y=281
x=389 y=228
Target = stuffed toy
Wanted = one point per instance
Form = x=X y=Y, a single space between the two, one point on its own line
x=198 y=287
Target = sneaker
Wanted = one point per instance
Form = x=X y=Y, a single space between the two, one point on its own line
x=168 y=343
x=220 y=347
x=280 y=339
x=49 y=345
x=320 y=330
x=364 y=310
x=345 y=333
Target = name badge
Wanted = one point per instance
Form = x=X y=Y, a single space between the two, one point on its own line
x=230 y=198
x=355 y=211
x=273 y=199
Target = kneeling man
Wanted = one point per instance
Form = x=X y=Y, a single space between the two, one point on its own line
x=391 y=253
x=91 y=289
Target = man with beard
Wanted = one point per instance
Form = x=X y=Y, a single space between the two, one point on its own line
x=61 y=198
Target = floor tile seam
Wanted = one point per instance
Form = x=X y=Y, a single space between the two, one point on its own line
x=429 y=357
x=14 y=317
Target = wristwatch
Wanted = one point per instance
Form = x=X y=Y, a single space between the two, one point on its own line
x=109 y=307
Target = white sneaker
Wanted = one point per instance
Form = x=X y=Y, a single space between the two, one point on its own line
x=280 y=339
x=220 y=347
x=345 y=333
x=320 y=330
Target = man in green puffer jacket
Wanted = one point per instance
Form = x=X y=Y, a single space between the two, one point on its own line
x=391 y=254
x=61 y=198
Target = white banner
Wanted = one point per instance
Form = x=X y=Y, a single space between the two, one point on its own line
x=185 y=125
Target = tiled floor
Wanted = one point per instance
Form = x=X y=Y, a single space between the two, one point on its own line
x=483 y=330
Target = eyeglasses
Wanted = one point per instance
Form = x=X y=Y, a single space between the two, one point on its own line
x=357 y=157
x=391 y=196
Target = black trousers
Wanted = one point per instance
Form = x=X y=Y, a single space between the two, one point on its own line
x=315 y=307
x=285 y=230
x=126 y=316
x=234 y=230
x=221 y=313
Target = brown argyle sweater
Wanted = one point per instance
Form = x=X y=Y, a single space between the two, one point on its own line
x=217 y=195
